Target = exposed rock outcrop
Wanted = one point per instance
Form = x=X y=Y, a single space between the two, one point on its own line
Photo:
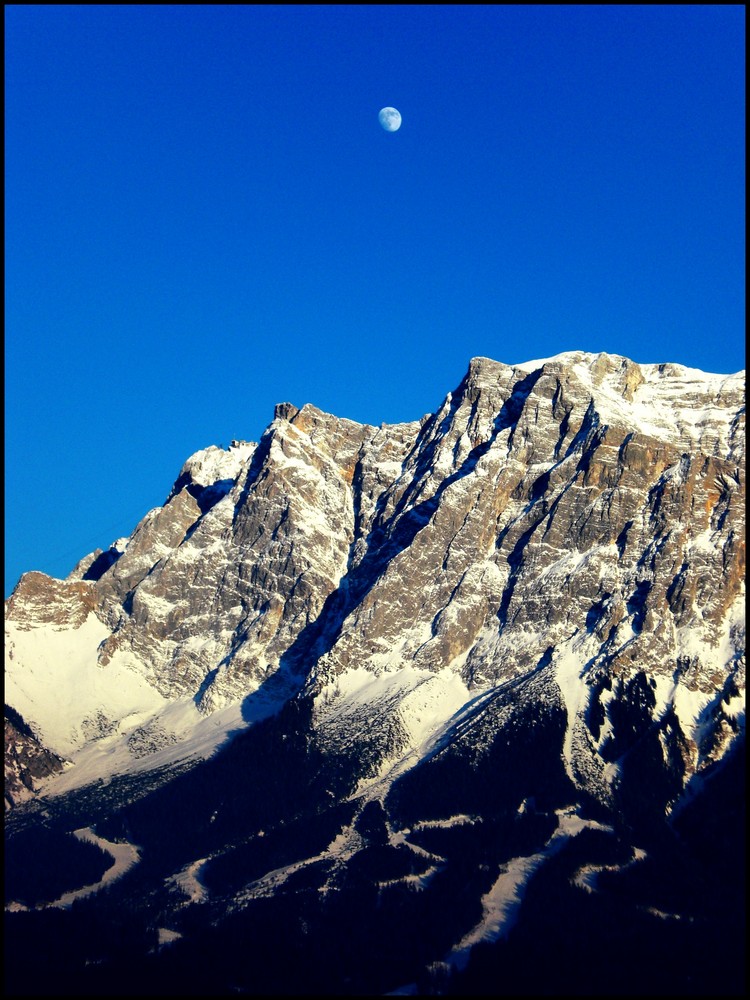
x=581 y=516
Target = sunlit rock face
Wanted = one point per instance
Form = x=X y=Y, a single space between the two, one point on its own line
x=409 y=699
x=581 y=516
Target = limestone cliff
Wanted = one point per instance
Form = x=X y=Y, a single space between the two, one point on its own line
x=580 y=517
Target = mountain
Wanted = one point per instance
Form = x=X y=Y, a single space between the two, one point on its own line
x=401 y=709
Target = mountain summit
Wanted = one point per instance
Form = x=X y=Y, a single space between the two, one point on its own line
x=408 y=671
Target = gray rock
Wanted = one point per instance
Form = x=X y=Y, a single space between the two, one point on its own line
x=584 y=507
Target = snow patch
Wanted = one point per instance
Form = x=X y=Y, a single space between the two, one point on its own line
x=501 y=903
x=167 y=936
x=125 y=857
x=188 y=881
x=213 y=464
x=194 y=736
x=586 y=878
x=87 y=695
x=568 y=671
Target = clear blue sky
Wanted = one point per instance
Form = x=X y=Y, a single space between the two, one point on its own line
x=204 y=218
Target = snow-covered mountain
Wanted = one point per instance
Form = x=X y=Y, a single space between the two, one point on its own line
x=413 y=672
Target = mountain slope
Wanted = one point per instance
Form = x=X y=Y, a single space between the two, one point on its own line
x=408 y=672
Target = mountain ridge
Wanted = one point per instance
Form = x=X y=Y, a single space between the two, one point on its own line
x=348 y=501
x=393 y=699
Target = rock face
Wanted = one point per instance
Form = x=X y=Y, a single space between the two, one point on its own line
x=581 y=510
x=535 y=594
x=26 y=762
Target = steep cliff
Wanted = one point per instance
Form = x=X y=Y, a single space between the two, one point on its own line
x=404 y=701
x=582 y=516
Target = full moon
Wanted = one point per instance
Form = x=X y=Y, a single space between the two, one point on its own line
x=390 y=119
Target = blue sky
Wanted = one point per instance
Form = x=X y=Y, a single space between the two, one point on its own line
x=204 y=218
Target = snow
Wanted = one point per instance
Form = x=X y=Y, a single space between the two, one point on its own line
x=188 y=881
x=426 y=704
x=113 y=701
x=343 y=846
x=563 y=356
x=586 y=877
x=167 y=936
x=651 y=371
x=426 y=699
x=213 y=464
x=607 y=729
x=196 y=736
x=501 y=903
x=734 y=707
x=688 y=706
x=460 y=819
x=125 y=857
x=499 y=906
x=663 y=405
x=568 y=670
x=346 y=843
x=417 y=882
x=431 y=703
x=87 y=694
x=664 y=916
x=400 y=838
x=689 y=703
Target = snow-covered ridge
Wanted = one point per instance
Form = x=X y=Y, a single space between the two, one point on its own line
x=664 y=401
x=213 y=464
x=585 y=359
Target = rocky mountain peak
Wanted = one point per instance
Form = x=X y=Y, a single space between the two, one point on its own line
x=582 y=509
x=392 y=677
x=285 y=411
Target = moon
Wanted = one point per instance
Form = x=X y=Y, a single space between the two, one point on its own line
x=390 y=119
